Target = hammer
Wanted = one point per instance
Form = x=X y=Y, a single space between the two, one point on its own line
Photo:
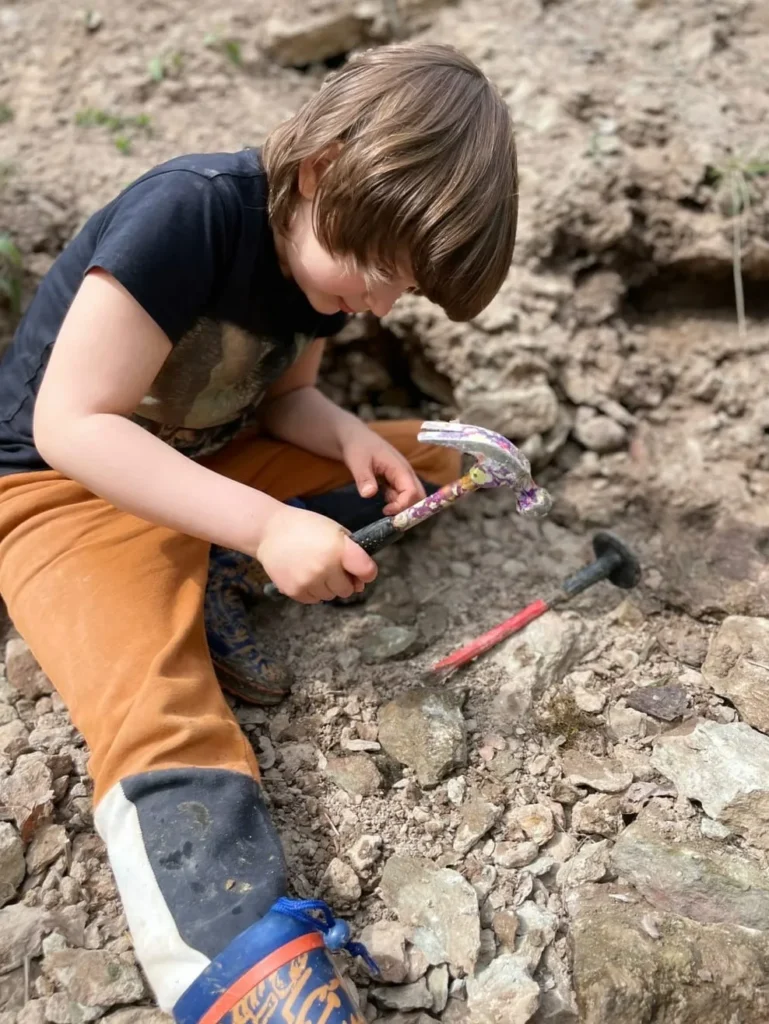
x=498 y=464
x=614 y=562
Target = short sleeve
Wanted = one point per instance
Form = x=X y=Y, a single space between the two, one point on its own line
x=168 y=239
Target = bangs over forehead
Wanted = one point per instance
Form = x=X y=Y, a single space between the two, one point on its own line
x=424 y=167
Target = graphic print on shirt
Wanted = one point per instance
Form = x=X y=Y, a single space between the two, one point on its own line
x=209 y=388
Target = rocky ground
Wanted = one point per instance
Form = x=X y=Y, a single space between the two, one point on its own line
x=576 y=828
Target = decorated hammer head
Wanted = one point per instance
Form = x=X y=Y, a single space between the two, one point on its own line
x=500 y=462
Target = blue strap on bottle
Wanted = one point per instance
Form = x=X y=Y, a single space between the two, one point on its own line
x=336 y=933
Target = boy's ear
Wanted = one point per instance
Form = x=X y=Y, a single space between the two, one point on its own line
x=312 y=169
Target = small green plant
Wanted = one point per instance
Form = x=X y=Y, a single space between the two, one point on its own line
x=10 y=273
x=6 y=114
x=735 y=178
x=122 y=128
x=230 y=47
x=166 y=66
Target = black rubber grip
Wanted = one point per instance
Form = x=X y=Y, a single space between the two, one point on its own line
x=375 y=536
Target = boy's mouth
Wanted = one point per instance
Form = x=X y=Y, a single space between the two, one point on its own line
x=344 y=308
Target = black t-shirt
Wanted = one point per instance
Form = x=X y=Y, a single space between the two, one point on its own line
x=190 y=240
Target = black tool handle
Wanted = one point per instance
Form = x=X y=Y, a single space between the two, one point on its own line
x=615 y=562
x=371 y=538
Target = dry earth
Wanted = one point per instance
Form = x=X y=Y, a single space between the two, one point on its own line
x=594 y=795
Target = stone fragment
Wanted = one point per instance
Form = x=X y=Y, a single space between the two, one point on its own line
x=592 y=702
x=11 y=862
x=603 y=774
x=23 y=672
x=665 y=702
x=516 y=412
x=561 y=847
x=386 y=942
x=537 y=928
x=515 y=855
x=424 y=729
x=356 y=774
x=95 y=977
x=32 y=1013
x=389 y=642
x=597 y=432
x=504 y=924
x=438 y=986
x=714 y=829
x=455 y=789
x=478 y=816
x=441 y=907
x=139 y=1015
x=536 y=820
x=737 y=667
x=26 y=795
x=48 y=844
x=624 y=975
x=414 y=996
x=628 y=724
x=725 y=768
x=315 y=37
x=340 y=884
x=591 y=863
x=22 y=930
x=693 y=878
x=536 y=658
x=14 y=739
x=365 y=853
x=598 y=814
x=503 y=993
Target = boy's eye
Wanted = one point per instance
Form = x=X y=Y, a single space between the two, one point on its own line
x=414 y=291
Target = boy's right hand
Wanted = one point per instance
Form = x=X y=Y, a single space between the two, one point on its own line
x=311 y=558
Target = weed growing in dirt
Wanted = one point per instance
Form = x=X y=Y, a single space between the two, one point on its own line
x=10 y=273
x=224 y=44
x=736 y=177
x=6 y=114
x=169 y=66
x=91 y=116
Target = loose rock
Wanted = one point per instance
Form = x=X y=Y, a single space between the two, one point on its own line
x=536 y=820
x=440 y=905
x=535 y=659
x=405 y=997
x=725 y=768
x=605 y=775
x=622 y=974
x=478 y=817
x=695 y=879
x=94 y=977
x=504 y=993
x=48 y=844
x=340 y=884
x=386 y=942
x=424 y=729
x=23 y=671
x=598 y=433
x=11 y=862
x=592 y=863
x=598 y=814
x=355 y=774
x=365 y=853
x=515 y=855
x=536 y=930
x=389 y=642
x=26 y=795
x=438 y=985
x=737 y=667
x=665 y=702
x=314 y=38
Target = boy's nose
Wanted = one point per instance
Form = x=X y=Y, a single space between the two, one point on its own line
x=382 y=301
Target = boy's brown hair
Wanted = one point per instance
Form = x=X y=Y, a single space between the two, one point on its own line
x=425 y=169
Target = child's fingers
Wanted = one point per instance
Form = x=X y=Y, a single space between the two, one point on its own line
x=356 y=562
x=363 y=474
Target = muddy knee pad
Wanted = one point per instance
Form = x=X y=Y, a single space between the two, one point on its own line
x=197 y=862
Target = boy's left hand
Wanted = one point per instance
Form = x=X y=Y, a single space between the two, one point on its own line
x=374 y=463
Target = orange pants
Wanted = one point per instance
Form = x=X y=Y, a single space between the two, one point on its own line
x=112 y=608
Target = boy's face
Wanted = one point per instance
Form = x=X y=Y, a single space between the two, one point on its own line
x=328 y=281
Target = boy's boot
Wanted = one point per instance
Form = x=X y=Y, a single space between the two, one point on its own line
x=235 y=581
x=277 y=970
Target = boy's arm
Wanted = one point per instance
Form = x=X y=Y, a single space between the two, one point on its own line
x=108 y=352
x=295 y=411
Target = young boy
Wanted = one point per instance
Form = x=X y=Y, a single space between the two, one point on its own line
x=159 y=398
